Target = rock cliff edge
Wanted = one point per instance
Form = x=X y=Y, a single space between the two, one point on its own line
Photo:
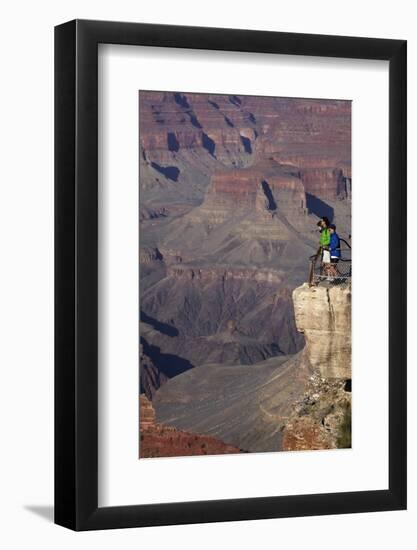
x=322 y=418
x=323 y=315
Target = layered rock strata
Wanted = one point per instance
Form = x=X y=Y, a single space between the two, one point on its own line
x=184 y=137
x=264 y=187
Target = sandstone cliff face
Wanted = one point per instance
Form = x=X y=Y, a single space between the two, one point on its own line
x=323 y=315
x=321 y=418
x=157 y=440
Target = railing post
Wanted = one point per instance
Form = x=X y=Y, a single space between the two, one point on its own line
x=313 y=260
x=311 y=275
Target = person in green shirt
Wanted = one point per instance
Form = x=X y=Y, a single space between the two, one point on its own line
x=324 y=232
x=324 y=224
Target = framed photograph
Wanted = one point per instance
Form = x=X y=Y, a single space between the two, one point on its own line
x=230 y=248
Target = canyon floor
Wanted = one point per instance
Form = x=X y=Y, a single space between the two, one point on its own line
x=231 y=188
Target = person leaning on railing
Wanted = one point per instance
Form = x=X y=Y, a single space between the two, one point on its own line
x=324 y=240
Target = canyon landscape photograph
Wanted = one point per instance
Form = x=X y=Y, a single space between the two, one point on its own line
x=244 y=274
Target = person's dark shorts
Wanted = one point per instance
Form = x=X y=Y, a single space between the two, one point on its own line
x=334 y=260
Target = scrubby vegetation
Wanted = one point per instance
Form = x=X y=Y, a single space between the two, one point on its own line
x=344 y=440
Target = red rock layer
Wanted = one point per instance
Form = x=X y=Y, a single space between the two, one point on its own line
x=323 y=182
x=265 y=186
x=157 y=440
x=305 y=434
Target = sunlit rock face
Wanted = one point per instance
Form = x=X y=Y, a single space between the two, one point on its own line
x=323 y=315
x=321 y=419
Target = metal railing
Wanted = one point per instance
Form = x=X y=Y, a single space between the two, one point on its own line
x=333 y=273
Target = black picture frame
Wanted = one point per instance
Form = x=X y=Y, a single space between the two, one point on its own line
x=76 y=272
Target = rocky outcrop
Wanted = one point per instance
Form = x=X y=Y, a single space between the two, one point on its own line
x=321 y=419
x=147 y=418
x=148 y=213
x=323 y=315
x=148 y=255
x=157 y=440
x=151 y=376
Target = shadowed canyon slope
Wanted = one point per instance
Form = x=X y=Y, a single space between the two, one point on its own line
x=230 y=190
